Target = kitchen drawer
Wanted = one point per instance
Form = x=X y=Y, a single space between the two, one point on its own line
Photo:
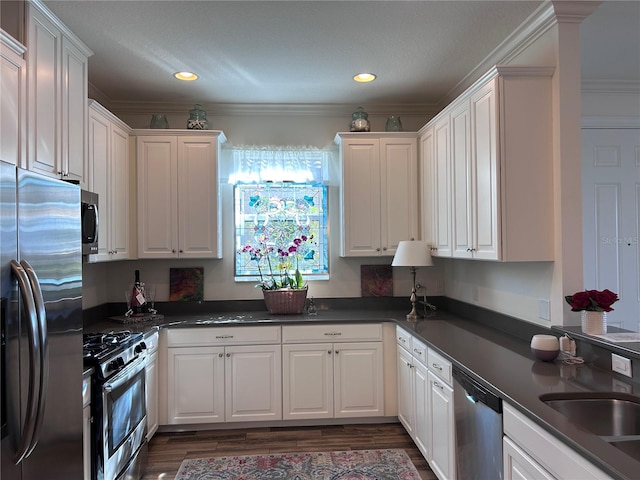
x=403 y=338
x=206 y=336
x=439 y=365
x=351 y=332
x=419 y=350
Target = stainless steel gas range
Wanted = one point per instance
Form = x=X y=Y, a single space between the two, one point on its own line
x=119 y=449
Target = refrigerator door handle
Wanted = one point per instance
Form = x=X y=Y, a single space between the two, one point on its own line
x=43 y=359
x=26 y=440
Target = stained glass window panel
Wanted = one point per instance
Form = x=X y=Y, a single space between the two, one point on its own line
x=273 y=216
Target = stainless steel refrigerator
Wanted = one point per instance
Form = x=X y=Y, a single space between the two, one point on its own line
x=41 y=302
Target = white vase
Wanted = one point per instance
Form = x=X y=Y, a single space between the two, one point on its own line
x=594 y=323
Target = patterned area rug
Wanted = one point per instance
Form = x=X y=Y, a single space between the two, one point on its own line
x=390 y=464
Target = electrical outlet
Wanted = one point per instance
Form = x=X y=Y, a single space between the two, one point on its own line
x=543 y=309
x=621 y=365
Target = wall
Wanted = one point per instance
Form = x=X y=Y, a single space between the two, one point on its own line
x=107 y=282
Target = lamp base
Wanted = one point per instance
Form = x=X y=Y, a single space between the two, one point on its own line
x=413 y=315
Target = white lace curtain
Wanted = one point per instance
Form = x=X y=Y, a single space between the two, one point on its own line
x=300 y=164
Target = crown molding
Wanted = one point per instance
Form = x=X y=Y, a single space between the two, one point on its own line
x=611 y=86
x=536 y=25
x=610 y=122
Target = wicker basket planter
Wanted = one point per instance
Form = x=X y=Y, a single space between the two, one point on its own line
x=285 y=301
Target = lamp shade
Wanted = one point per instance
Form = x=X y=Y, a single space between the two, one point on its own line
x=412 y=253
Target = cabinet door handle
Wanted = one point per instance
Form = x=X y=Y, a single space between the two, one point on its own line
x=384 y=249
x=402 y=340
x=329 y=352
x=224 y=336
x=436 y=384
x=332 y=334
x=228 y=355
x=435 y=365
x=220 y=355
x=417 y=351
x=337 y=352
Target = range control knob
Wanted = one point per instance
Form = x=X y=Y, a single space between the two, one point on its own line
x=115 y=364
x=140 y=347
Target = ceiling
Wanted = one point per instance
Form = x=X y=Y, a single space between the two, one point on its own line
x=306 y=52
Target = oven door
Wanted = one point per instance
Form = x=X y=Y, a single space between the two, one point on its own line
x=124 y=418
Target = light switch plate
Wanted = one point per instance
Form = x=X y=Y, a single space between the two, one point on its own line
x=621 y=365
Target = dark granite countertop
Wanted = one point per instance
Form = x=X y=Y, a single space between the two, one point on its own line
x=501 y=361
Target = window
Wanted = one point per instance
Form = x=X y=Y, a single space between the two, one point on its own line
x=276 y=213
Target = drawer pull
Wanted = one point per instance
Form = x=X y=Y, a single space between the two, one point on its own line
x=435 y=365
x=224 y=336
x=436 y=384
x=419 y=352
x=402 y=340
x=332 y=334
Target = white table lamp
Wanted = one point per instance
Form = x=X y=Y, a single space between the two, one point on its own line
x=413 y=254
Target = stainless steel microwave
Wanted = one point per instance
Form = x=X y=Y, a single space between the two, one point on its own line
x=90 y=224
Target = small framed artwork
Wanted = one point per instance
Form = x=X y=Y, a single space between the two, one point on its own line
x=186 y=284
x=376 y=281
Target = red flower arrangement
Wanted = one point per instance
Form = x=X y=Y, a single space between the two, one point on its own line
x=592 y=300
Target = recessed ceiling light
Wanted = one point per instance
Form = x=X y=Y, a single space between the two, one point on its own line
x=186 y=76
x=364 y=77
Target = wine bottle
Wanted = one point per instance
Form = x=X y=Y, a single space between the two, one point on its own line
x=138 y=300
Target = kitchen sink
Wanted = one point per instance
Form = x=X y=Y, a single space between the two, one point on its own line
x=614 y=416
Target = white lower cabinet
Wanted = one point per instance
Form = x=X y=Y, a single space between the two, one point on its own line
x=222 y=381
x=413 y=399
x=529 y=452
x=520 y=466
x=442 y=453
x=338 y=379
x=425 y=402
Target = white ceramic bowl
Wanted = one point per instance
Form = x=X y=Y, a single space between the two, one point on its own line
x=545 y=347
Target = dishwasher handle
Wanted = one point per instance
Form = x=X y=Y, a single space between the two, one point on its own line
x=476 y=391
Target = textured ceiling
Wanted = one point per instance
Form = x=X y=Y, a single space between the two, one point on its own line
x=302 y=52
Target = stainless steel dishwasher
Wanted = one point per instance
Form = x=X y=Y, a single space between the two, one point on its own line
x=478 y=420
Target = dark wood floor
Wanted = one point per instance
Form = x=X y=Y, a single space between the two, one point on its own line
x=168 y=450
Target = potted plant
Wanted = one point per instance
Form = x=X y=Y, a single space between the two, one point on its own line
x=594 y=305
x=283 y=287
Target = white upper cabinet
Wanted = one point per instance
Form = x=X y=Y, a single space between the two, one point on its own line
x=110 y=178
x=13 y=101
x=57 y=64
x=490 y=190
x=379 y=192
x=178 y=193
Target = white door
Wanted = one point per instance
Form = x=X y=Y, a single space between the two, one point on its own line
x=520 y=466
x=361 y=202
x=119 y=194
x=611 y=209
x=442 y=454
x=198 y=227
x=157 y=162
x=358 y=379
x=399 y=192
x=442 y=186
x=422 y=429
x=307 y=381
x=196 y=385
x=253 y=383
x=405 y=390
